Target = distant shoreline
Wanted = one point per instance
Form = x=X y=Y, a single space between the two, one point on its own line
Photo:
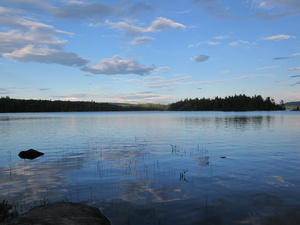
x=231 y=103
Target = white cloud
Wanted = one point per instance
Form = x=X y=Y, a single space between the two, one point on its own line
x=25 y=39
x=21 y=31
x=279 y=37
x=29 y=29
x=117 y=65
x=200 y=58
x=141 y=40
x=45 y=55
x=158 y=25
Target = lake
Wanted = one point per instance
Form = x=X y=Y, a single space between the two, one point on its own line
x=157 y=167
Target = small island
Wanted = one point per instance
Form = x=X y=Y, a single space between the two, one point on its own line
x=230 y=103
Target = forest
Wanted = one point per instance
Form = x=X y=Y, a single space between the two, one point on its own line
x=230 y=103
x=20 y=105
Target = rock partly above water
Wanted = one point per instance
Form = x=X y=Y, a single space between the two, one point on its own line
x=61 y=213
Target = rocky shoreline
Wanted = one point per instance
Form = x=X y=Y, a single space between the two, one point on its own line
x=61 y=213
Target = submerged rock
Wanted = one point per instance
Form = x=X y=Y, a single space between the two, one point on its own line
x=30 y=154
x=61 y=213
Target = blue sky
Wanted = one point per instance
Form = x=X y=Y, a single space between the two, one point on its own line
x=149 y=51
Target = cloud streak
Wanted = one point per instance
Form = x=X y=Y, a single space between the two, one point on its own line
x=160 y=82
x=232 y=79
x=279 y=37
x=270 y=4
x=295 y=68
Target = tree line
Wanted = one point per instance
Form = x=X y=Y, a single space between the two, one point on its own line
x=20 y=105
x=231 y=103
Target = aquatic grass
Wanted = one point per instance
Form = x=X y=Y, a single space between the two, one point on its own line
x=182 y=176
x=7 y=211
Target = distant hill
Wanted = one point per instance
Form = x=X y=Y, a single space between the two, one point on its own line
x=292 y=105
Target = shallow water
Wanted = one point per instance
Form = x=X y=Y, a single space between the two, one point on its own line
x=157 y=167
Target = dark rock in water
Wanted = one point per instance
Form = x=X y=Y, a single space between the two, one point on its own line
x=61 y=213
x=30 y=154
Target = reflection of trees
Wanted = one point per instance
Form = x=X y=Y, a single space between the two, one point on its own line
x=241 y=123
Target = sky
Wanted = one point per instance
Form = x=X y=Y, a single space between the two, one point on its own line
x=149 y=51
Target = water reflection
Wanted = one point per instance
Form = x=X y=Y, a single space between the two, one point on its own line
x=157 y=168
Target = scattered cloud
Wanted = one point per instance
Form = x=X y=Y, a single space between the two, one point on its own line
x=220 y=37
x=26 y=40
x=161 y=70
x=270 y=4
x=29 y=4
x=200 y=58
x=295 y=76
x=100 y=11
x=225 y=71
x=160 y=82
x=240 y=42
x=232 y=79
x=281 y=58
x=295 y=68
x=214 y=8
x=267 y=67
x=279 y=37
x=158 y=25
x=5 y=91
x=275 y=9
x=75 y=97
x=20 y=31
x=141 y=97
x=117 y=65
x=141 y=40
x=202 y=43
x=294 y=84
x=15 y=90
x=271 y=16
x=45 y=55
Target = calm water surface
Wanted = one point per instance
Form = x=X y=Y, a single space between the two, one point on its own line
x=157 y=167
